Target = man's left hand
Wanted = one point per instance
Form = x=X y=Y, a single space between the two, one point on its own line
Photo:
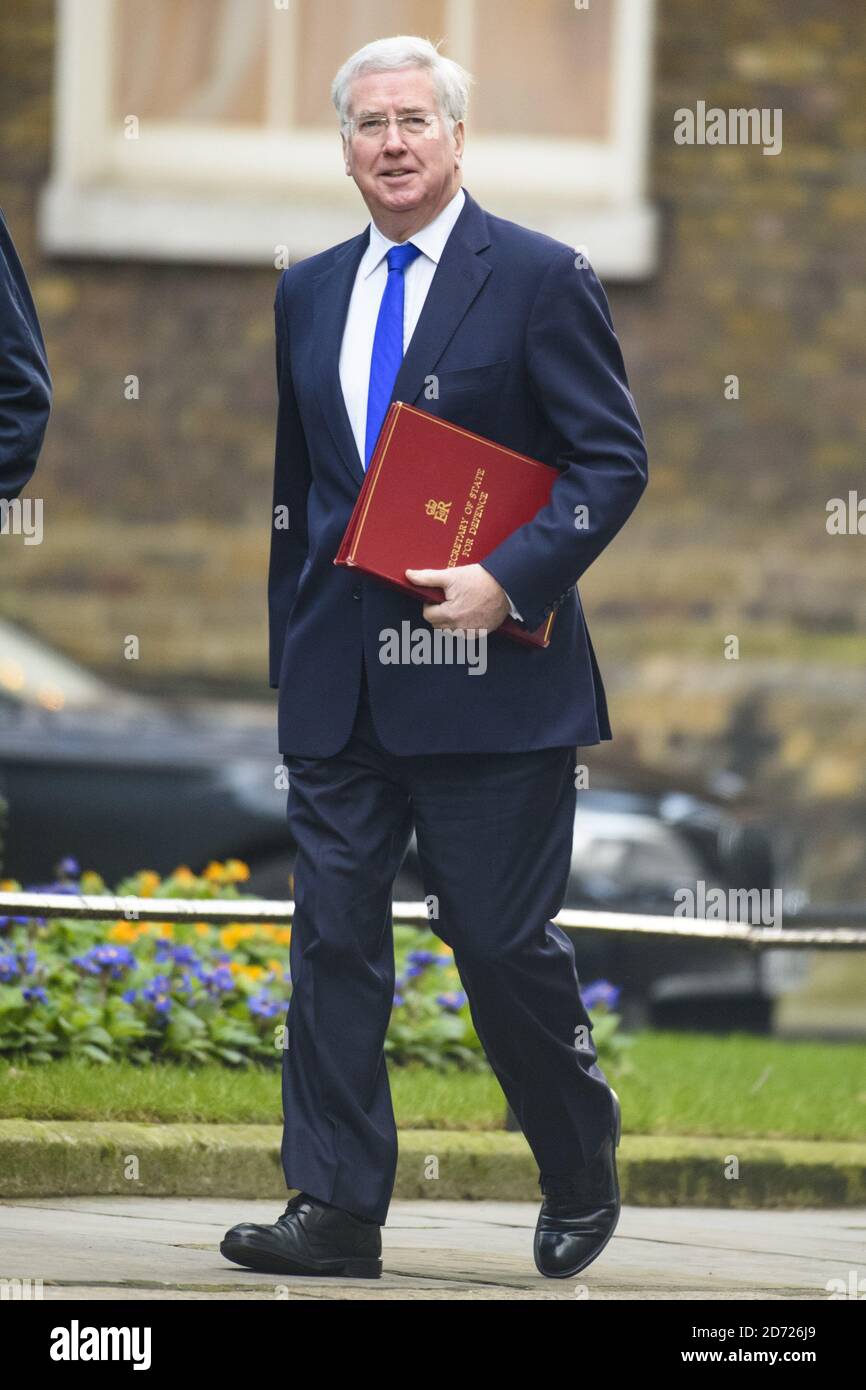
x=473 y=598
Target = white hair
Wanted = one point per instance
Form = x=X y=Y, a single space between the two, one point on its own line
x=450 y=80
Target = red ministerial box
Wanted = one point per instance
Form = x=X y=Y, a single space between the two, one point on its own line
x=436 y=495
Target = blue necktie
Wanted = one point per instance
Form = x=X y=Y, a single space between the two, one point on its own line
x=387 y=344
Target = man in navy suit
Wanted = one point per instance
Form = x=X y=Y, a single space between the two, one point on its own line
x=506 y=332
x=25 y=386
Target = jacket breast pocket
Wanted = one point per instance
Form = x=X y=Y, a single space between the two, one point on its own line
x=488 y=376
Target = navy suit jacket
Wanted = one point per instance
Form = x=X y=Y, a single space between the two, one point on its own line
x=521 y=343
x=25 y=386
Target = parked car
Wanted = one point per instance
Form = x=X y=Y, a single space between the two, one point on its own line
x=636 y=844
x=122 y=782
x=639 y=840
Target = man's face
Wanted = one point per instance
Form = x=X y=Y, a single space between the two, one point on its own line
x=403 y=179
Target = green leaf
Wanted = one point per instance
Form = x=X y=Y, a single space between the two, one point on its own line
x=96 y=1053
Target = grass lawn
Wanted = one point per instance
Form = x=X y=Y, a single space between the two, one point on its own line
x=679 y=1084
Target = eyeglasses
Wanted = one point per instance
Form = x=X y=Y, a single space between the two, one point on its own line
x=416 y=123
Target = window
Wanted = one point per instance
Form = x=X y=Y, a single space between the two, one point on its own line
x=203 y=130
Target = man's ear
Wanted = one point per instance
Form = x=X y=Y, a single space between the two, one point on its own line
x=459 y=141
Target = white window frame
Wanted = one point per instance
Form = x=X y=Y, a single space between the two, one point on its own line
x=233 y=194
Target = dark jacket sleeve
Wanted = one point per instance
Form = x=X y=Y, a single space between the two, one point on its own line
x=292 y=477
x=25 y=386
x=577 y=375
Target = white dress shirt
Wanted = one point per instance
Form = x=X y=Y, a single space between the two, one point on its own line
x=356 y=350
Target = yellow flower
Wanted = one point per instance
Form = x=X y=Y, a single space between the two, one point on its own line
x=183 y=874
x=202 y=929
x=147 y=882
x=10 y=885
x=214 y=873
x=123 y=931
x=158 y=928
x=276 y=966
x=236 y=871
x=248 y=972
x=234 y=933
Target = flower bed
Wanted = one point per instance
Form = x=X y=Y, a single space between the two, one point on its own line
x=192 y=992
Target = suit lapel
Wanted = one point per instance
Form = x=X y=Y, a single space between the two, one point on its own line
x=332 y=292
x=455 y=284
x=457 y=280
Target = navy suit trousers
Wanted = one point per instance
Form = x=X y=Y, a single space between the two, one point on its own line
x=494 y=834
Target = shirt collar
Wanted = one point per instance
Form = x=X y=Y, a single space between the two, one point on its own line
x=430 y=239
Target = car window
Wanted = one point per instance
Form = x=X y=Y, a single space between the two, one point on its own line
x=33 y=674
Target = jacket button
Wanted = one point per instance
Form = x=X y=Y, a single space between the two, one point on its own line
x=356 y=593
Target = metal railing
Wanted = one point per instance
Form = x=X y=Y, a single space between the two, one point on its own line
x=837 y=926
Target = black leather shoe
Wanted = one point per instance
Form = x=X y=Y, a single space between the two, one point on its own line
x=579 y=1212
x=309 y=1238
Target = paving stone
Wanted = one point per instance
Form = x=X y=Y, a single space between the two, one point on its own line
x=150 y=1248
